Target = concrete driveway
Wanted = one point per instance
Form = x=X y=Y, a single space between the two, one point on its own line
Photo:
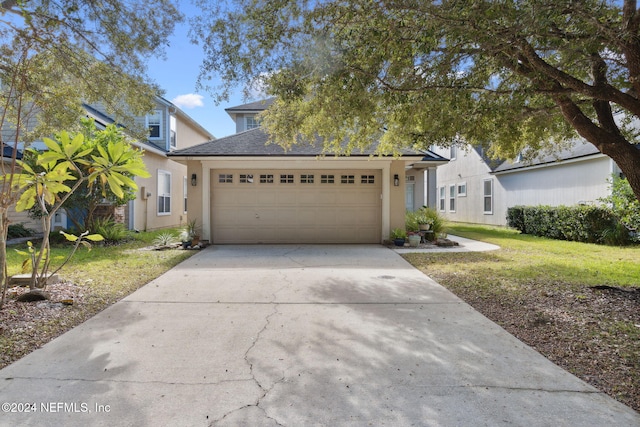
x=296 y=336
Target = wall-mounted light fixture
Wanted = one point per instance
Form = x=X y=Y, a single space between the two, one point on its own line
x=396 y=180
x=194 y=180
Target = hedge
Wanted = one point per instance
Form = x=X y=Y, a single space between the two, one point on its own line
x=589 y=224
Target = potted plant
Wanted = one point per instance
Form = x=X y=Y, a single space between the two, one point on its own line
x=189 y=235
x=414 y=240
x=398 y=235
x=424 y=222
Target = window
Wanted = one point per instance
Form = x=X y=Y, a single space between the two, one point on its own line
x=347 y=179
x=306 y=179
x=184 y=189
x=452 y=198
x=367 y=179
x=488 y=196
x=266 y=179
x=225 y=178
x=250 y=123
x=410 y=178
x=154 y=124
x=286 y=179
x=164 y=192
x=327 y=179
x=442 y=199
x=462 y=189
x=246 y=178
x=173 y=129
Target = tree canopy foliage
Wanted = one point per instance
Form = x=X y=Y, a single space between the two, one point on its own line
x=512 y=76
x=54 y=55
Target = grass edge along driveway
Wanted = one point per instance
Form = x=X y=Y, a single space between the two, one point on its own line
x=578 y=304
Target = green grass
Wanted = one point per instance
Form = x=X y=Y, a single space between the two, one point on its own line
x=522 y=257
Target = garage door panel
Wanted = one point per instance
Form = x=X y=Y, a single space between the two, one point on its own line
x=297 y=212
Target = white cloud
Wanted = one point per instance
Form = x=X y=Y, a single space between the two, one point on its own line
x=190 y=100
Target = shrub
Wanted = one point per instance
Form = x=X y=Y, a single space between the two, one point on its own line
x=424 y=215
x=113 y=232
x=589 y=224
x=19 y=230
x=625 y=206
x=165 y=239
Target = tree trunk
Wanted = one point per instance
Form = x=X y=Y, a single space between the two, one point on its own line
x=627 y=157
x=4 y=280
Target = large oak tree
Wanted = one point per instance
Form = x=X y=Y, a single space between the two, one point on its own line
x=504 y=74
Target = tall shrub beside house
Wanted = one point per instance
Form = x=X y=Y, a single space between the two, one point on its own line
x=625 y=206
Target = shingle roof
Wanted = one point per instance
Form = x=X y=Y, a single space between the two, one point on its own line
x=253 y=143
x=252 y=106
x=579 y=149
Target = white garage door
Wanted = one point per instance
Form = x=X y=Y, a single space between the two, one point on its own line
x=296 y=206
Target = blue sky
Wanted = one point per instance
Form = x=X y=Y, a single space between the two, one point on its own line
x=177 y=76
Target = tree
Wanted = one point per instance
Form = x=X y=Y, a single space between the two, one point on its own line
x=509 y=75
x=107 y=162
x=56 y=55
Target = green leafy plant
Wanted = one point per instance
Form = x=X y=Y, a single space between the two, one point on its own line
x=113 y=232
x=19 y=230
x=164 y=239
x=398 y=233
x=72 y=159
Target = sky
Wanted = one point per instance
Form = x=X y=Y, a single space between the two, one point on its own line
x=177 y=76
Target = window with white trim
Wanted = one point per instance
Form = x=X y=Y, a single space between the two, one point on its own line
x=462 y=189
x=442 y=199
x=452 y=198
x=164 y=192
x=488 y=196
x=173 y=129
x=250 y=122
x=154 y=124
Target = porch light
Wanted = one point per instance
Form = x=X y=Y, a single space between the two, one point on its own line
x=396 y=180
x=194 y=180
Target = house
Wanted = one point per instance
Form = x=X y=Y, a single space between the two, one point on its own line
x=244 y=190
x=162 y=199
x=474 y=188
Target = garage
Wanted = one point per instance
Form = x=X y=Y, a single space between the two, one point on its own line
x=295 y=206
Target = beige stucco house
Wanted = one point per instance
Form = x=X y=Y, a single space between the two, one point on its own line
x=162 y=199
x=242 y=190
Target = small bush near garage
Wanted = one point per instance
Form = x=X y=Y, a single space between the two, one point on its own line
x=587 y=224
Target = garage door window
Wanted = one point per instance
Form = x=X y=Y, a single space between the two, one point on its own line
x=347 y=179
x=286 y=179
x=327 y=179
x=225 y=178
x=266 y=179
x=246 y=178
x=367 y=179
x=306 y=179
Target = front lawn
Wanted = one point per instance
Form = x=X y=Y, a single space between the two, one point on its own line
x=578 y=304
x=92 y=280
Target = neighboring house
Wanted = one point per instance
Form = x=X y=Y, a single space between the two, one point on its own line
x=245 y=191
x=162 y=199
x=17 y=217
x=473 y=188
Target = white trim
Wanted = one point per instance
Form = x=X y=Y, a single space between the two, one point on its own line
x=551 y=164
x=146 y=121
x=452 y=197
x=484 y=196
x=458 y=192
x=162 y=194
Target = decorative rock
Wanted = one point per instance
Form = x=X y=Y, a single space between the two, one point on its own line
x=446 y=242
x=34 y=295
